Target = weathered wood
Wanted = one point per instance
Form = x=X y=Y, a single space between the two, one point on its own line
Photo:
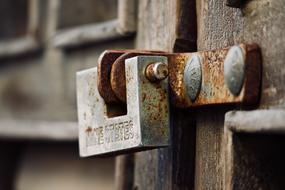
x=253 y=140
x=14 y=19
x=220 y=26
x=209 y=157
x=159 y=28
x=27 y=42
x=91 y=33
x=85 y=12
x=258 y=121
x=18 y=46
x=124 y=172
x=127 y=16
x=94 y=32
x=263 y=23
x=39 y=130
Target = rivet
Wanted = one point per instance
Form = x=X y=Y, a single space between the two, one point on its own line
x=193 y=77
x=156 y=71
x=234 y=69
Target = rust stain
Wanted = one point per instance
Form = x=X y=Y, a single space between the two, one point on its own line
x=88 y=130
x=118 y=77
x=111 y=73
x=105 y=62
x=213 y=88
x=112 y=79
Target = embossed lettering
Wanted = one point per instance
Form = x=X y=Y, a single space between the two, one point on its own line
x=111 y=133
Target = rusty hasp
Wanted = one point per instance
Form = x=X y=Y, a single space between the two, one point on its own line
x=214 y=88
x=111 y=73
x=144 y=80
x=105 y=62
x=224 y=76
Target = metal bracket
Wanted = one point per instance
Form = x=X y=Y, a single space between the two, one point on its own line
x=225 y=76
x=146 y=124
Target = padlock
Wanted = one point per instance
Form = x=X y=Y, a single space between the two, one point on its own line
x=145 y=125
x=123 y=105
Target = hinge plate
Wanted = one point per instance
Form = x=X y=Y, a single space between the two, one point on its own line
x=214 y=87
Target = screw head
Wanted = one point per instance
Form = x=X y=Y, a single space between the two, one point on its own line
x=234 y=69
x=157 y=71
x=193 y=77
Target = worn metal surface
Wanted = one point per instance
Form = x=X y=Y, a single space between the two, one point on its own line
x=146 y=124
x=213 y=87
x=105 y=62
x=117 y=76
x=234 y=69
x=156 y=71
x=193 y=77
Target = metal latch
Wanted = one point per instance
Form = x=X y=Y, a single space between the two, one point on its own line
x=123 y=104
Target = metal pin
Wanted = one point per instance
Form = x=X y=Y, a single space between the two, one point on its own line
x=156 y=71
x=193 y=77
x=234 y=69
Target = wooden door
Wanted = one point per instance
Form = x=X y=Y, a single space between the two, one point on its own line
x=201 y=150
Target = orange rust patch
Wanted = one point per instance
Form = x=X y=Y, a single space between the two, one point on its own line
x=112 y=80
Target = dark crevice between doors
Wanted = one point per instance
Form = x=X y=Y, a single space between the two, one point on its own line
x=183 y=121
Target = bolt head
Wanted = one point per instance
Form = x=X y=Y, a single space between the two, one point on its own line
x=160 y=70
x=234 y=66
x=157 y=71
x=193 y=76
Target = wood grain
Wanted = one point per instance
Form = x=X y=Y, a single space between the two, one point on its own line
x=168 y=26
x=261 y=22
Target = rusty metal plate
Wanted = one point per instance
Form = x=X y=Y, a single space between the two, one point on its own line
x=118 y=77
x=104 y=66
x=111 y=73
x=146 y=124
x=213 y=88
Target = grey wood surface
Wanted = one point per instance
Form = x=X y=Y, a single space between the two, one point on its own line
x=40 y=87
x=167 y=25
x=219 y=26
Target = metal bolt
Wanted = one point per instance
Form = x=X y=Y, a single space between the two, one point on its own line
x=157 y=71
x=193 y=77
x=234 y=69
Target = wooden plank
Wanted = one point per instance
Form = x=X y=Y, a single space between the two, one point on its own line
x=220 y=26
x=159 y=28
x=127 y=16
x=257 y=121
x=124 y=172
x=91 y=33
x=39 y=130
x=253 y=140
x=264 y=24
x=18 y=46
x=28 y=42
